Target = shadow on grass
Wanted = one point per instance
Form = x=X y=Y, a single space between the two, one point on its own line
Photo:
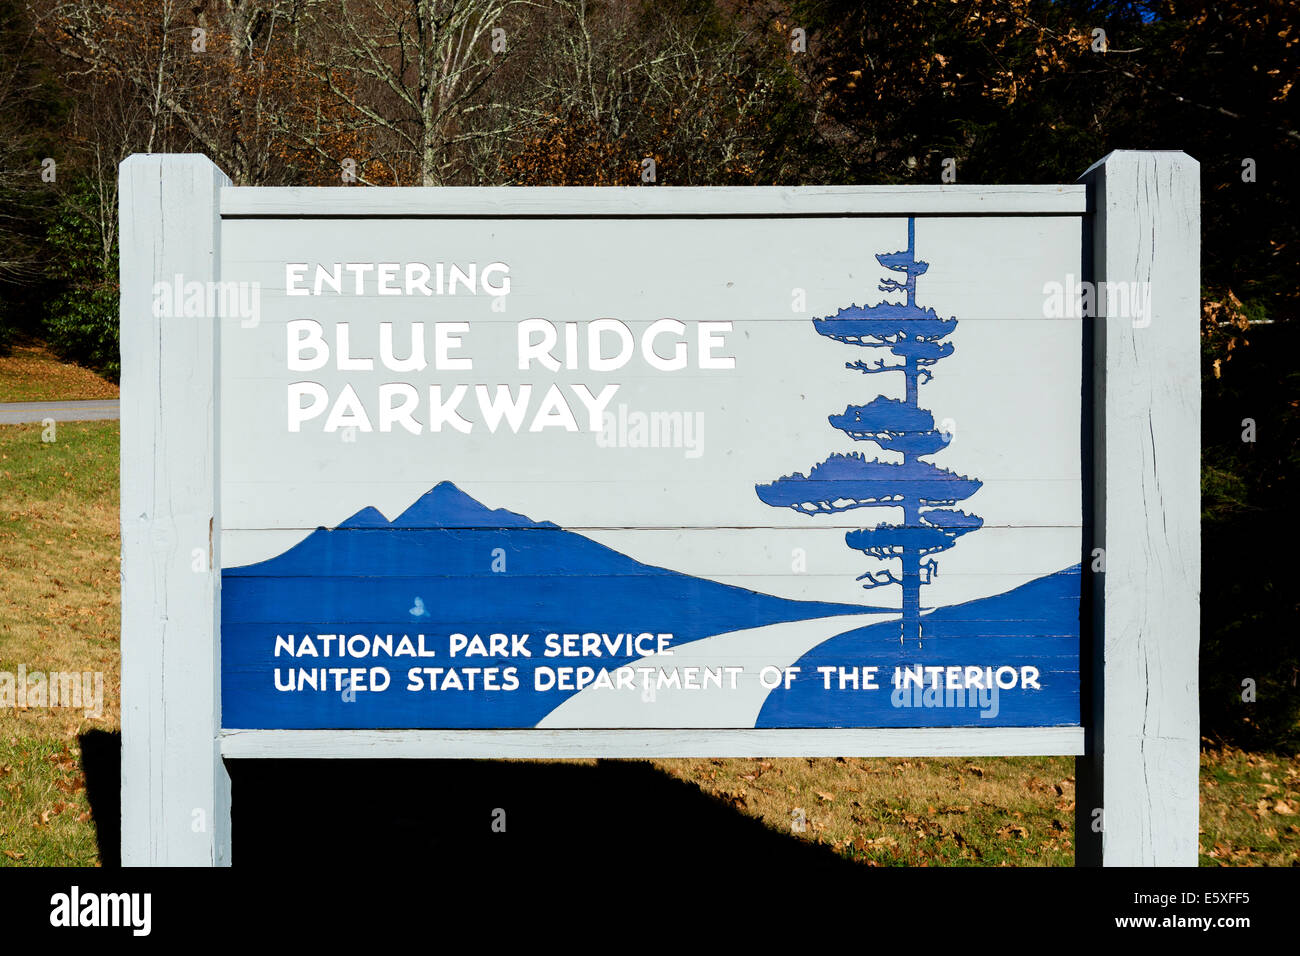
x=101 y=762
x=618 y=816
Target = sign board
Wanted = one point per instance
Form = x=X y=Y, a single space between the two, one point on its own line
x=618 y=472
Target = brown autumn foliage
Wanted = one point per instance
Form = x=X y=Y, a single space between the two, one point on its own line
x=224 y=81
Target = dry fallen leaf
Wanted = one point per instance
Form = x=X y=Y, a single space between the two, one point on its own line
x=824 y=796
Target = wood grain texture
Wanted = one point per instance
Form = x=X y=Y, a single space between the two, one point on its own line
x=1143 y=761
x=175 y=790
x=670 y=201
x=560 y=744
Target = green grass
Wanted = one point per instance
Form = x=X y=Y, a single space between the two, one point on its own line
x=79 y=464
x=45 y=818
x=59 y=577
x=1250 y=809
x=59 y=565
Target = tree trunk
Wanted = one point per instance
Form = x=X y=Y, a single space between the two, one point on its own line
x=911 y=596
x=911 y=519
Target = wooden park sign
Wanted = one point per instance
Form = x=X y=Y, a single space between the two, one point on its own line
x=661 y=472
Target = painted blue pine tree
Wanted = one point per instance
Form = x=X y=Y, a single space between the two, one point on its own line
x=844 y=482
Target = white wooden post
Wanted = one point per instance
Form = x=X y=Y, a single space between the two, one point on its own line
x=1138 y=783
x=175 y=790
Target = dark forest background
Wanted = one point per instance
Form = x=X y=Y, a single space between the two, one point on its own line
x=569 y=92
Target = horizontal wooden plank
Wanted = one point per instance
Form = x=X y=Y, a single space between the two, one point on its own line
x=660 y=201
x=710 y=552
x=635 y=505
x=643 y=744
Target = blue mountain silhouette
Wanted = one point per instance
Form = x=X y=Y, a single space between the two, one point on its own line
x=365 y=576
x=445 y=506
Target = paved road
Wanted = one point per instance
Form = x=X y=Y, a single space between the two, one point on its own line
x=19 y=413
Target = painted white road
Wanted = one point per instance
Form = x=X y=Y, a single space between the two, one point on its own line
x=777 y=645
